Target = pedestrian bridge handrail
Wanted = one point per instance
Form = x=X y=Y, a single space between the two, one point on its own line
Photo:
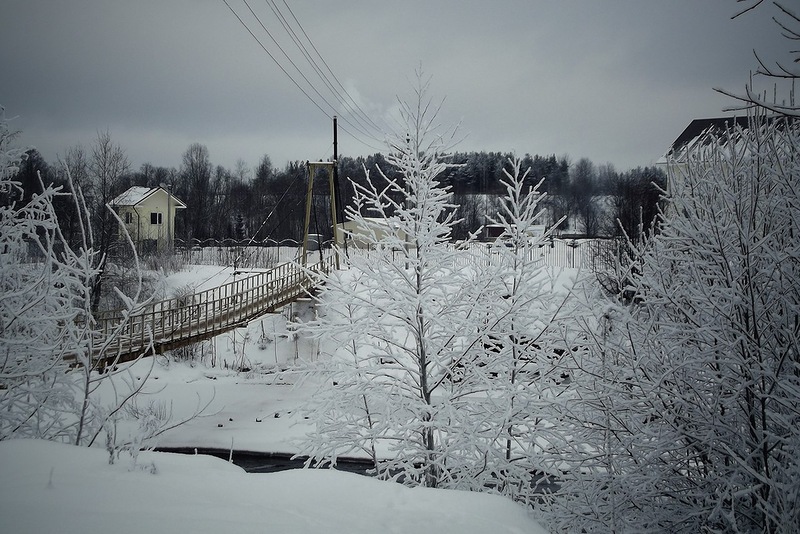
x=179 y=321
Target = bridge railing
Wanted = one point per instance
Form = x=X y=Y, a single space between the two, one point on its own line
x=173 y=322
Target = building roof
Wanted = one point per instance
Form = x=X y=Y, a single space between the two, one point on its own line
x=700 y=132
x=137 y=194
x=703 y=132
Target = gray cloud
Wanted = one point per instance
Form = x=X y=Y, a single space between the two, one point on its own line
x=615 y=81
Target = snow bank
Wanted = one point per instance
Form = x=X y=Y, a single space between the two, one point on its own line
x=48 y=487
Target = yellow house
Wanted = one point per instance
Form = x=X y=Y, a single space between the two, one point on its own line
x=148 y=214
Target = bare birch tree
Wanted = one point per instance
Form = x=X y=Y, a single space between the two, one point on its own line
x=107 y=164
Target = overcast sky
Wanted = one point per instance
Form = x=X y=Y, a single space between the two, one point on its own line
x=612 y=80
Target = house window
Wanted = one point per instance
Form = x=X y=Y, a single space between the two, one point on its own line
x=155 y=218
x=128 y=217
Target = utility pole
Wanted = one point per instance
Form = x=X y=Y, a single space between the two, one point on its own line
x=337 y=190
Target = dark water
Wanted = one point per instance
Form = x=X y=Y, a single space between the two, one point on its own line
x=267 y=462
x=264 y=462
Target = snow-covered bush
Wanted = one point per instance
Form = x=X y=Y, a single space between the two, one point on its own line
x=50 y=346
x=687 y=419
x=42 y=323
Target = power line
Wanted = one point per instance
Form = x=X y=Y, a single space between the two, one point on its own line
x=273 y=58
x=258 y=19
x=327 y=67
x=299 y=71
x=315 y=66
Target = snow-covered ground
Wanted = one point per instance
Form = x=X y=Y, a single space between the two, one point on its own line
x=255 y=410
x=46 y=487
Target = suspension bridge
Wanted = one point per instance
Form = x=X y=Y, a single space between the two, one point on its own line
x=173 y=323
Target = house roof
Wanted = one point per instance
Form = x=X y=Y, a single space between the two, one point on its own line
x=702 y=132
x=137 y=194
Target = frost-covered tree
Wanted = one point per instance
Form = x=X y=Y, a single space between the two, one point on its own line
x=687 y=414
x=512 y=377
x=781 y=74
x=396 y=320
x=36 y=299
x=435 y=370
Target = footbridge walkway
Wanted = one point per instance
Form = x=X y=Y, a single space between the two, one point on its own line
x=181 y=321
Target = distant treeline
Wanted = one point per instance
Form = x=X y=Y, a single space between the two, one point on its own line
x=265 y=203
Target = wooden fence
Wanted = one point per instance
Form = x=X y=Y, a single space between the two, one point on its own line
x=592 y=254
